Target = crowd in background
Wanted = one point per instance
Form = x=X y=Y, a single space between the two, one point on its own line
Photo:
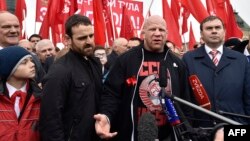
x=90 y=92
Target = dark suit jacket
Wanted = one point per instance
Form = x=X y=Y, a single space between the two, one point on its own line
x=40 y=73
x=227 y=85
x=48 y=62
x=111 y=59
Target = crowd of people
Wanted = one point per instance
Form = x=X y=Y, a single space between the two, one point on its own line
x=89 y=92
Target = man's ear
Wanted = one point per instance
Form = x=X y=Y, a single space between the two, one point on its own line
x=201 y=36
x=67 y=40
x=143 y=34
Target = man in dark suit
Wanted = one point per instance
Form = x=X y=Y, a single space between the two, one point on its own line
x=224 y=74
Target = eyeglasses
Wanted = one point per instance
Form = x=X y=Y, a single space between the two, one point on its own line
x=35 y=41
x=100 y=55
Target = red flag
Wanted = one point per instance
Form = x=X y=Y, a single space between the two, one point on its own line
x=41 y=9
x=57 y=13
x=127 y=29
x=110 y=26
x=66 y=9
x=232 y=29
x=82 y=8
x=185 y=16
x=220 y=10
x=66 y=13
x=175 y=8
x=20 y=12
x=173 y=32
x=192 y=40
x=44 y=29
x=72 y=8
x=196 y=8
x=3 y=5
x=49 y=19
x=99 y=25
x=210 y=7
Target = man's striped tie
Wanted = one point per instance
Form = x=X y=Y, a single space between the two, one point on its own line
x=214 y=57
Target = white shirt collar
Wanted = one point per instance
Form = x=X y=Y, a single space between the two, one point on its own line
x=12 y=89
x=1 y=47
x=246 y=51
x=208 y=49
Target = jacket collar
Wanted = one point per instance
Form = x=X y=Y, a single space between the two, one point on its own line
x=140 y=48
x=225 y=60
x=33 y=89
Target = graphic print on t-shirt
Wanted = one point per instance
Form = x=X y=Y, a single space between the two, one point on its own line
x=150 y=90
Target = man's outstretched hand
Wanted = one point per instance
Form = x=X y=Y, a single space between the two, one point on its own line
x=102 y=127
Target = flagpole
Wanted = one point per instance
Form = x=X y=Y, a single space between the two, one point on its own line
x=147 y=12
x=185 y=44
x=25 y=24
x=35 y=16
x=112 y=20
x=107 y=41
x=149 y=8
x=106 y=34
x=35 y=27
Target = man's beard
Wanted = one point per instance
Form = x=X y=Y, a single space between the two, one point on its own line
x=87 y=50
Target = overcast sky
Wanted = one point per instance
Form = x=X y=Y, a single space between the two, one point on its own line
x=243 y=9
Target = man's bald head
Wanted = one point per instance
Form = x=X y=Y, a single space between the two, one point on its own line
x=155 y=33
x=26 y=44
x=155 y=19
x=120 y=45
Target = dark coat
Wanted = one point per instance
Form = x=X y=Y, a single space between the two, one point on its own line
x=241 y=47
x=71 y=93
x=227 y=85
x=40 y=73
x=112 y=57
x=48 y=62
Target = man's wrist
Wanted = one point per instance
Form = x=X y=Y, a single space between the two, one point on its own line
x=107 y=118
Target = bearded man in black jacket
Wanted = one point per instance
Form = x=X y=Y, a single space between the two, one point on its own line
x=72 y=86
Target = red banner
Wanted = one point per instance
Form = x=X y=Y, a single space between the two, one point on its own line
x=41 y=9
x=3 y=5
x=134 y=8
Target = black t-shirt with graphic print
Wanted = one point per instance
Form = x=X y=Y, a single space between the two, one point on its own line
x=146 y=98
